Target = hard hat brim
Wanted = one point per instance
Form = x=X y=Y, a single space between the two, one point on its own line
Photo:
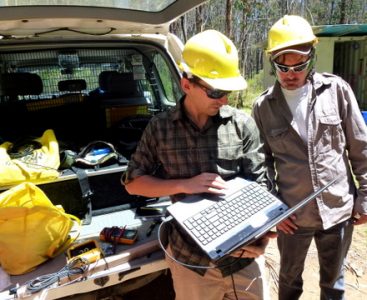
x=226 y=84
x=291 y=44
x=290 y=50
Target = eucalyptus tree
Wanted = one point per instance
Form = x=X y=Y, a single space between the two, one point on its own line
x=247 y=22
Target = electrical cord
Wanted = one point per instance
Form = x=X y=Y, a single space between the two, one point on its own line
x=73 y=30
x=169 y=219
x=234 y=287
x=166 y=220
x=76 y=266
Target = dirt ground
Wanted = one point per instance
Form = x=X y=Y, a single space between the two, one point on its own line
x=356 y=274
x=356 y=270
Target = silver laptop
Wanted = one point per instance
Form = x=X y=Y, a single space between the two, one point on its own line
x=221 y=224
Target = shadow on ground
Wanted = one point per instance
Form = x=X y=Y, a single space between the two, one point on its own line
x=159 y=289
x=155 y=286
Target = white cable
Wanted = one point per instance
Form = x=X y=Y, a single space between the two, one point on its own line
x=170 y=218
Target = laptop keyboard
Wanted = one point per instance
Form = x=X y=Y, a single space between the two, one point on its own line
x=219 y=218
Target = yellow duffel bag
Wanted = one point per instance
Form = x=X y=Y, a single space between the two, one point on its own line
x=32 y=229
x=36 y=165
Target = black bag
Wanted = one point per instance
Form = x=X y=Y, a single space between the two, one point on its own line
x=82 y=193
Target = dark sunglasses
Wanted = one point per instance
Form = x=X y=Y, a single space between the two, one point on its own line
x=212 y=94
x=296 y=69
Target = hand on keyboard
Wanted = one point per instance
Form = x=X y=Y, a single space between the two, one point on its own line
x=257 y=248
x=205 y=183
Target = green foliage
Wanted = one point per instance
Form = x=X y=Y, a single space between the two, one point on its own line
x=255 y=88
x=244 y=100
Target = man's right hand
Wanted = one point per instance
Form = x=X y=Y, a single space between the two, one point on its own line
x=151 y=186
x=288 y=226
x=205 y=183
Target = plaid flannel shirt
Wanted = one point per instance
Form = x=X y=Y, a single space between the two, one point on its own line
x=172 y=147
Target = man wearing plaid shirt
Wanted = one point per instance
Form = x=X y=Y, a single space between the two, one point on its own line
x=194 y=148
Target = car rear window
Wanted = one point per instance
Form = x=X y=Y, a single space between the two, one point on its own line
x=149 y=6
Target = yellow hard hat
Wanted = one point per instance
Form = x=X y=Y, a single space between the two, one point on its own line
x=290 y=31
x=212 y=57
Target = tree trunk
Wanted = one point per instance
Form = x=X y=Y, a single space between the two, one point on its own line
x=199 y=19
x=184 y=28
x=229 y=19
x=342 y=12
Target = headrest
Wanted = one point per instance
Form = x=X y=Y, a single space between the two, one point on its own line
x=123 y=84
x=75 y=85
x=22 y=84
x=104 y=78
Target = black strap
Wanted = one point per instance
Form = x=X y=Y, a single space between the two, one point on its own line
x=86 y=193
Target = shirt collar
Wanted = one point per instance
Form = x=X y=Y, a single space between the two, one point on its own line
x=319 y=80
x=178 y=111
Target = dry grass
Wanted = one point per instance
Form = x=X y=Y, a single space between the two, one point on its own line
x=355 y=270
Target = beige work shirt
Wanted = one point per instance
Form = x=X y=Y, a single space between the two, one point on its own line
x=336 y=145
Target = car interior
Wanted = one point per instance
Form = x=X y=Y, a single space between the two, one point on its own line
x=84 y=93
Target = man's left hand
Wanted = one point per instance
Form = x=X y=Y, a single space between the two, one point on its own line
x=257 y=248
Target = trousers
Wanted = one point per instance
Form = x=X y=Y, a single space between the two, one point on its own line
x=332 y=248
x=247 y=284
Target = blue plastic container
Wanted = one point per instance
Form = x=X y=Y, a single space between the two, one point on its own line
x=364 y=114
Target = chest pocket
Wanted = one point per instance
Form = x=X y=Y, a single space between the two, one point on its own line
x=281 y=140
x=330 y=135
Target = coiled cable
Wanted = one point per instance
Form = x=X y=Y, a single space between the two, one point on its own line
x=76 y=266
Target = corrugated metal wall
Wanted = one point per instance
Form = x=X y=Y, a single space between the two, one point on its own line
x=350 y=62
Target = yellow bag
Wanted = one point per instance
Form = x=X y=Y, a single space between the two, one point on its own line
x=40 y=165
x=32 y=229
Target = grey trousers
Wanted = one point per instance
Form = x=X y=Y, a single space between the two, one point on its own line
x=332 y=247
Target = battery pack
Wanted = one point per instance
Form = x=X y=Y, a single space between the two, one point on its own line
x=88 y=250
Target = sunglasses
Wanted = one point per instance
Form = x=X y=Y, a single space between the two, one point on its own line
x=296 y=69
x=211 y=93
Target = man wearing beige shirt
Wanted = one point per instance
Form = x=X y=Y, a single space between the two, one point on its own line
x=313 y=132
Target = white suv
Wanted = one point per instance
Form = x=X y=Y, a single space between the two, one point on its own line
x=93 y=72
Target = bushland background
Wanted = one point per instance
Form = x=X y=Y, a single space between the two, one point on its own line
x=247 y=23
